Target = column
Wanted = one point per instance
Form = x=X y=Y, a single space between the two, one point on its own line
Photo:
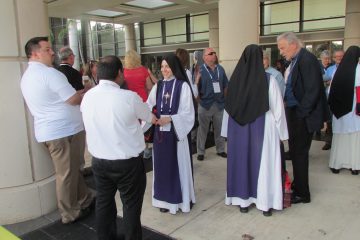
x=74 y=42
x=130 y=39
x=352 y=19
x=89 y=40
x=214 y=30
x=27 y=183
x=238 y=27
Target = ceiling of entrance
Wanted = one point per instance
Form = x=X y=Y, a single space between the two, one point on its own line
x=126 y=11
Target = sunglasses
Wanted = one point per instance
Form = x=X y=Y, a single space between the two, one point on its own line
x=211 y=53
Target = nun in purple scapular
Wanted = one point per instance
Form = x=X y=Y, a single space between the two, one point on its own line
x=256 y=124
x=173 y=185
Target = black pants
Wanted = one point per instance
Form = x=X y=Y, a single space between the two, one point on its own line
x=127 y=176
x=299 y=146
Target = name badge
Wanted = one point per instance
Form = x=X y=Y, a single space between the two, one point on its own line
x=167 y=127
x=216 y=86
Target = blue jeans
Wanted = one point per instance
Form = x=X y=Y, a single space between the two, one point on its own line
x=129 y=178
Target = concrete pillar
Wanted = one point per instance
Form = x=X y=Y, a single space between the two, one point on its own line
x=238 y=27
x=27 y=183
x=130 y=39
x=352 y=19
x=89 y=40
x=214 y=30
x=74 y=42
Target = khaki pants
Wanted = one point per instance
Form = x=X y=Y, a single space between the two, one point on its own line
x=71 y=190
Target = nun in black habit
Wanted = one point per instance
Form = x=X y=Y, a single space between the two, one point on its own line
x=344 y=101
x=255 y=126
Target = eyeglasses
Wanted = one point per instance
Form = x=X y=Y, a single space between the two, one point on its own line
x=211 y=53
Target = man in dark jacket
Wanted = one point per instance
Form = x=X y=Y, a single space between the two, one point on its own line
x=67 y=59
x=306 y=108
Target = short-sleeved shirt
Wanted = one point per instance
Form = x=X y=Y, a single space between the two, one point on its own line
x=136 y=81
x=206 y=90
x=111 y=117
x=46 y=91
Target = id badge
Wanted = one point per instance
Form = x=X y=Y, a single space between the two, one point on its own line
x=167 y=127
x=216 y=86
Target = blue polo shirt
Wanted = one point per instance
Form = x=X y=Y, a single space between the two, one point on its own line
x=206 y=90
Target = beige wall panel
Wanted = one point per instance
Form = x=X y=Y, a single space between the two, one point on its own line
x=33 y=20
x=47 y=192
x=19 y=204
x=238 y=27
x=352 y=6
x=214 y=31
x=8 y=46
x=43 y=166
x=352 y=29
x=15 y=168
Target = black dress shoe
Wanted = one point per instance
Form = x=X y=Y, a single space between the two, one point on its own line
x=354 y=172
x=222 y=154
x=164 y=210
x=267 y=213
x=200 y=157
x=296 y=199
x=244 y=209
x=191 y=205
x=327 y=146
x=335 y=171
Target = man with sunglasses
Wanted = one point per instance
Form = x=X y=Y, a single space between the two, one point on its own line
x=212 y=86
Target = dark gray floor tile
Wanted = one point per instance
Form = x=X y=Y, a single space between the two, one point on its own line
x=27 y=226
x=37 y=235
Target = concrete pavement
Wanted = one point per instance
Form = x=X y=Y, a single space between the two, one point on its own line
x=334 y=212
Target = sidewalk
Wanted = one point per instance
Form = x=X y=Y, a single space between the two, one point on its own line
x=334 y=212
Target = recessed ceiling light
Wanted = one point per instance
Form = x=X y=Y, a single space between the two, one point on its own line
x=151 y=4
x=105 y=13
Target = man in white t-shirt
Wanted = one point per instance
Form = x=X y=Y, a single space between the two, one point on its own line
x=115 y=140
x=54 y=104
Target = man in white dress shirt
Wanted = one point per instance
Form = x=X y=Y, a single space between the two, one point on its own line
x=54 y=103
x=115 y=140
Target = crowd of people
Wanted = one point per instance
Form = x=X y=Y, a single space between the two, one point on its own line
x=258 y=109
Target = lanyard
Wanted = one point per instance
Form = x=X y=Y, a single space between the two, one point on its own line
x=218 y=75
x=166 y=96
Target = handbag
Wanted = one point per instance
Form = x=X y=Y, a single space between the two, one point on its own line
x=149 y=134
x=287 y=191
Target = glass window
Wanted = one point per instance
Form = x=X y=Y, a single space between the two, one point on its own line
x=336 y=45
x=280 y=14
x=152 y=33
x=199 y=27
x=120 y=48
x=106 y=36
x=107 y=49
x=137 y=36
x=175 y=30
x=314 y=9
x=119 y=34
x=324 y=24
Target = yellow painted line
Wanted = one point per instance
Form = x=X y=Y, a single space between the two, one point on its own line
x=6 y=235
